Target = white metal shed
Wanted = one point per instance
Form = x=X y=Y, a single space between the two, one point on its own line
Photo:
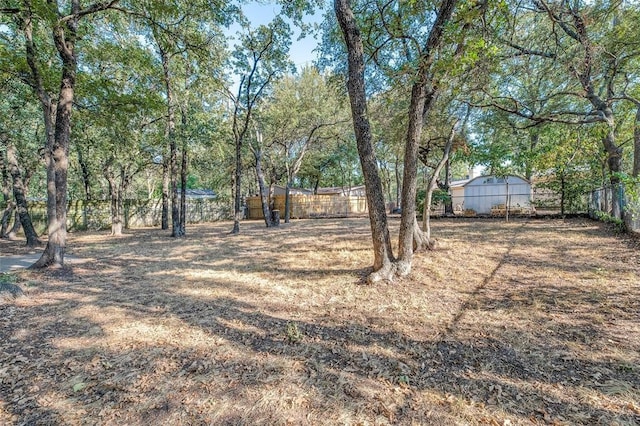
x=484 y=192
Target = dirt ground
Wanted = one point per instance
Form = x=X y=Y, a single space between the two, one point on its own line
x=526 y=322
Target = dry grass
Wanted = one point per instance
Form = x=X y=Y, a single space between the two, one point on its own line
x=530 y=322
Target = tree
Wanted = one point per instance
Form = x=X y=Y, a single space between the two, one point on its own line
x=19 y=194
x=579 y=43
x=62 y=20
x=422 y=95
x=185 y=37
x=319 y=117
x=19 y=134
x=259 y=60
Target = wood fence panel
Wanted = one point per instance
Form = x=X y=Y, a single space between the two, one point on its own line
x=312 y=206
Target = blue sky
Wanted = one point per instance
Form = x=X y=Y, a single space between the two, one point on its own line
x=301 y=50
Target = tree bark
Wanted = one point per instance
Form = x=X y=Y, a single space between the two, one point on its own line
x=5 y=186
x=419 y=94
x=4 y=222
x=86 y=175
x=115 y=196
x=423 y=94
x=424 y=241
x=237 y=196
x=19 y=194
x=636 y=141
x=64 y=38
x=183 y=179
x=173 y=148
x=287 y=203
x=264 y=195
x=383 y=264
x=165 y=192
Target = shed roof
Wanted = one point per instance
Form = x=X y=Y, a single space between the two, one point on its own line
x=494 y=176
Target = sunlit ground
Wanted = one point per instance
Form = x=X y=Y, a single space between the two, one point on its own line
x=526 y=322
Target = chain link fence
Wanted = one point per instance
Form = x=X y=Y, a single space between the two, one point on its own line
x=96 y=215
x=601 y=206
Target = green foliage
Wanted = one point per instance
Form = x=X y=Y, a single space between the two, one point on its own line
x=7 y=278
x=617 y=223
x=631 y=186
x=293 y=333
x=438 y=197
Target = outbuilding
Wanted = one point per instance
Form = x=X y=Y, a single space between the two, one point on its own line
x=493 y=194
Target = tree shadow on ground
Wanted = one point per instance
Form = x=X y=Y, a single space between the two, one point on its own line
x=126 y=343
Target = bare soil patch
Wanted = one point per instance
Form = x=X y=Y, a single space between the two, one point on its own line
x=526 y=322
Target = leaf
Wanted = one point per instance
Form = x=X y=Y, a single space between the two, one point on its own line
x=79 y=386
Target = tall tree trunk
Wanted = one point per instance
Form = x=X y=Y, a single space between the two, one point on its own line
x=19 y=194
x=448 y=204
x=419 y=94
x=287 y=202
x=585 y=75
x=165 y=192
x=423 y=94
x=54 y=127
x=5 y=186
x=262 y=189
x=6 y=215
x=383 y=263
x=183 y=178
x=183 y=191
x=17 y=225
x=237 y=195
x=173 y=148
x=562 y=192
x=636 y=143
x=115 y=196
x=86 y=175
x=398 y=181
x=64 y=37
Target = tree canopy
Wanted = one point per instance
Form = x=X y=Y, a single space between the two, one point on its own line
x=117 y=100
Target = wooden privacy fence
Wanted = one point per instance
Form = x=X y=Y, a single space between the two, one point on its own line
x=311 y=206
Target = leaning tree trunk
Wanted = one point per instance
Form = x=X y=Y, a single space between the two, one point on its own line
x=15 y=228
x=19 y=194
x=6 y=191
x=6 y=215
x=426 y=215
x=384 y=263
x=54 y=153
